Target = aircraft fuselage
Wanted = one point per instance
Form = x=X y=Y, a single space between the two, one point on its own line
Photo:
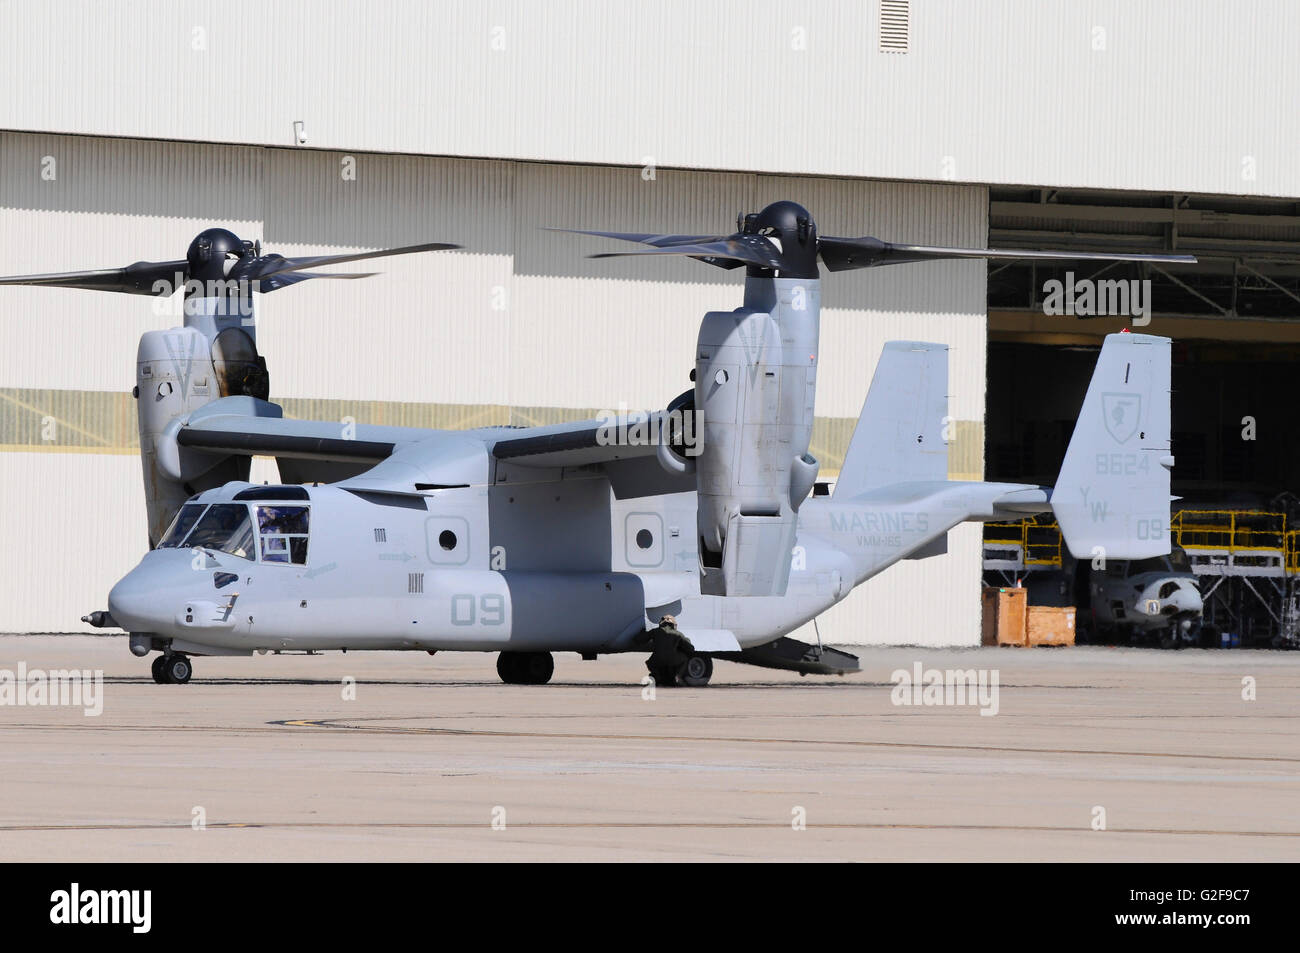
x=432 y=572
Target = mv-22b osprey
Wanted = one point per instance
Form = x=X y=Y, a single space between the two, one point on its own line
x=702 y=542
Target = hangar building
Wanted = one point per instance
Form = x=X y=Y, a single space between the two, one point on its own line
x=1088 y=125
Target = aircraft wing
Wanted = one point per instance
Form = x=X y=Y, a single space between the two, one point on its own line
x=231 y=432
x=248 y=426
x=613 y=447
x=624 y=449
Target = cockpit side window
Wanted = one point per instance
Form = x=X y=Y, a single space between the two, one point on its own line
x=283 y=532
x=225 y=527
x=181 y=525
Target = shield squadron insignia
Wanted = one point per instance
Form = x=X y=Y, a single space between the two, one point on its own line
x=1122 y=413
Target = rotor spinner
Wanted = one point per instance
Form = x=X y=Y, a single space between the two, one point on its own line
x=214 y=253
x=790 y=226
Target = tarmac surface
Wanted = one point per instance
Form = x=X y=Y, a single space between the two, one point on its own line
x=435 y=759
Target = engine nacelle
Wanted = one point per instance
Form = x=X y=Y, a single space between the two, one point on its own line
x=177 y=372
x=755 y=382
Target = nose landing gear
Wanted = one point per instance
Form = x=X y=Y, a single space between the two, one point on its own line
x=173 y=669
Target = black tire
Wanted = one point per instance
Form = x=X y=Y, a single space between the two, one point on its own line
x=525 y=668
x=508 y=667
x=695 y=672
x=537 y=667
x=159 y=675
x=178 y=669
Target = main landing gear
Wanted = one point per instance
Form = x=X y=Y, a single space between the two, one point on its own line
x=525 y=668
x=674 y=660
x=695 y=672
x=173 y=669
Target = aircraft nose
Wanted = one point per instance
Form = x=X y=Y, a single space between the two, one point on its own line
x=129 y=601
x=140 y=601
x=1192 y=600
x=1175 y=597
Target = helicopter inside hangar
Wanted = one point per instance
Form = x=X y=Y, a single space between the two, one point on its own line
x=507 y=538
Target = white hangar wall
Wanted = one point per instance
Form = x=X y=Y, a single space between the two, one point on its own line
x=1115 y=94
x=517 y=327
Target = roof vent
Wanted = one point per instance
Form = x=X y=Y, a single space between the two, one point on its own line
x=894 y=18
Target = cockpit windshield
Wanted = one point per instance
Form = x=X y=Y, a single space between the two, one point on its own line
x=225 y=527
x=181 y=525
x=229 y=528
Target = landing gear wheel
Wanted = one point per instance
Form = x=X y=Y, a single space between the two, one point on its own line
x=177 y=669
x=695 y=672
x=159 y=675
x=507 y=667
x=525 y=668
x=538 y=668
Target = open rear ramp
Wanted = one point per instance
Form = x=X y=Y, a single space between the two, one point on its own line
x=795 y=656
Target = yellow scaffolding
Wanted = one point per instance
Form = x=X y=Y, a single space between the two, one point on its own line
x=1235 y=533
x=1038 y=537
x=1230 y=531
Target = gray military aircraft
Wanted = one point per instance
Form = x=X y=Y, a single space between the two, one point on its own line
x=688 y=533
x=1156 y=599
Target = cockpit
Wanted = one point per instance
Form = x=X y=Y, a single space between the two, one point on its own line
x=266 y=532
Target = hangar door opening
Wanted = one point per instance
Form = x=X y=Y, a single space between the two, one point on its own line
x=1235 y=322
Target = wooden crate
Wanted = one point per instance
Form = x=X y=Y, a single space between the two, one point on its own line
x=1003 y=616
x=1050 y=625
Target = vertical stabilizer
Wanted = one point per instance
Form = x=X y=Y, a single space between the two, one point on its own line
x=1112 y=496
x=899 y=436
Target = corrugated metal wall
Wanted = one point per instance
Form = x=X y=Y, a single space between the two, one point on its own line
x=519 y=326
x=73 y=202
x=1142 y=94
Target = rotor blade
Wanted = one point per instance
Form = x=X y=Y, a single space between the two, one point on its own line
x=645 y=238
x=138 y=279
x=269 y=265
x=285 y=279
x=727 y=263
x=746 y=249
x=842 y=254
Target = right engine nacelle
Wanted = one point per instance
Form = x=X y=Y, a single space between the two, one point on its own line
x=755 y=381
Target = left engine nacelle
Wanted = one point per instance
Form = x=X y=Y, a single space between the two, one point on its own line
x=755 y=382
x=177 y=372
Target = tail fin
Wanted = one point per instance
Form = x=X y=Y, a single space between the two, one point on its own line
x=899 y=437
x=1113 y=490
